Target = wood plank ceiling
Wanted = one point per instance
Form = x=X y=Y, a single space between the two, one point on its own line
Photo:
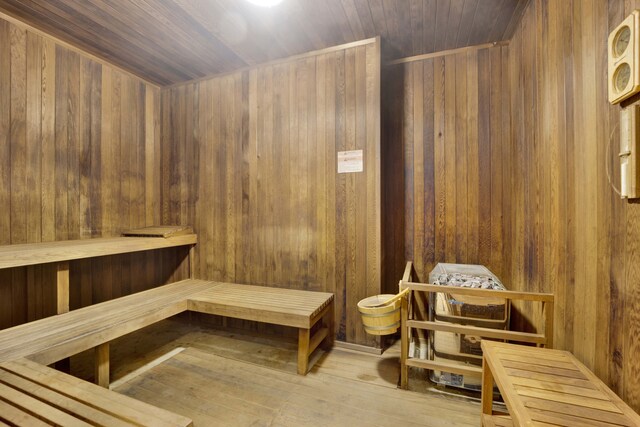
x=170 y=41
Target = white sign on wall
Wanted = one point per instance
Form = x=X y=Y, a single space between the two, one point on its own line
x=350 y=161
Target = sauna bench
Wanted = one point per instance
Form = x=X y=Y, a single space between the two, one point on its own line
x=61 y=252
x=36 y=395
x=542 y=386
x=48 y=340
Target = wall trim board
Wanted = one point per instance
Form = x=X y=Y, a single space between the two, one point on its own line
x=21 y=24
x=516 y=21
x=359 y=348
x=445 y=53
x=279 y=61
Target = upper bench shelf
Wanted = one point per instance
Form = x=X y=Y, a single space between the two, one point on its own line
x=41 y=253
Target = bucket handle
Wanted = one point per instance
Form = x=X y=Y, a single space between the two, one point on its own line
x=390 y=300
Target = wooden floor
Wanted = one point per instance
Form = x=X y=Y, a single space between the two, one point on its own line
x=222 y=378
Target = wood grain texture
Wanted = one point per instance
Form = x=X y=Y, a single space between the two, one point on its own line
x=12 y=256
x=445 y=117
x=540 y=211
x=263 y=192
x=583 y=397
x=57 y=398
x=175 y=41
x=569 y=233
x=77 y=160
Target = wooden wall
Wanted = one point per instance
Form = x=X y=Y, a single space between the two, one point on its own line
x=79 y=158
x=249 y=159
x=570 y=233
x=505 y=164
x=448 y=119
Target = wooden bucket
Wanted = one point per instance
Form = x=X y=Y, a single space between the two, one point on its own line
x=383 y=320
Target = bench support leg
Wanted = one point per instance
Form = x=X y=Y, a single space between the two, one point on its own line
x=487 y=388
x=303 y=350
x=328 y=322
x=404 y=345
x=102 y=365
x=62 y=287
x=62 y=304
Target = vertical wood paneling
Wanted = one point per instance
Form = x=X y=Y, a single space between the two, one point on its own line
x=18 y=167
x=530 y=151
x=264 y=196
x=6 y=285
x=448 y=116
x=579 y=238
x=47 y=173
x=77 y=159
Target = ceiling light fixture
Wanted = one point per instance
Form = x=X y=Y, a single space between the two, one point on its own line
x=265 y=3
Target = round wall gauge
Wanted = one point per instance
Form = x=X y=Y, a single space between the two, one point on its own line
x=621 y=41
x=622 y=76
x=623 y=46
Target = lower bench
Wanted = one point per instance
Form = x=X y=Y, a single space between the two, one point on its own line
x=286 y=307
x=35 y=395
x=30 y=346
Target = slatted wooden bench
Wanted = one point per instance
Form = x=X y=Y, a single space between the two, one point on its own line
x=542 y=386
x=31 y=393
x=64 y=335
x=54 y=338
x=287 y=307
x=60 y=253
x=35 y=395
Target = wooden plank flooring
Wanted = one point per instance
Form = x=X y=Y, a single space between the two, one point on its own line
x=226 y=377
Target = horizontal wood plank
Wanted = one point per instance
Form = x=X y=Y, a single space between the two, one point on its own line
x=159 y=231
x=12 y=256
x=17 y=416
x=556 y=395
x=288 y=307
x=21 y=400
x=454 y=368
x=126 y=409
x=60 y=336
x=474 y=330
x=487 y=293
x=58 y=399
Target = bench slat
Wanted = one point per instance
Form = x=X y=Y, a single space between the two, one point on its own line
x=15 y=416
x=43 y=391
x=56 y=399
x=41 y=410
x=253 y=314
x=85 y=328
x=21 y=255
x=287 y=307
x=121 y=306
x=109 y=402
